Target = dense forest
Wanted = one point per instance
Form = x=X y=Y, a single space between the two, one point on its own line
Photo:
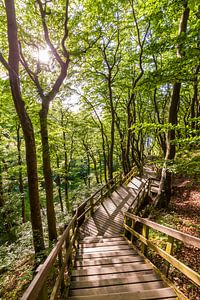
x=89 y=89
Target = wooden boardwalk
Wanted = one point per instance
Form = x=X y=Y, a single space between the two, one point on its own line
x=108 y=219
x=106 y=265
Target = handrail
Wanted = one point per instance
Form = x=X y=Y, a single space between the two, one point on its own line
x=167 y=253
x=64 y=251
x=39 y=280
x=178 y=235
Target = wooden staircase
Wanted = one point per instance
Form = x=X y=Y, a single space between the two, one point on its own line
x=106 y=266
x=109 y=268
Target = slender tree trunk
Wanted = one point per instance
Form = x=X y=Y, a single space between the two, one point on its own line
x=66 y=179
x=194 y=104
x=100 y=169
x=21 y=186
x=95 y=167
x=51 y=219
x=59 y=183
x=160 y=135
x=164 y=193
x=27 y=127
x=112 y=130
x=1 y=187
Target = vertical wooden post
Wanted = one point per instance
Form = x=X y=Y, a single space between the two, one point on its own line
x=101 y=195
x=169 y=249
x=68 y=250
x=92 y=205
x=60 y=263
x=132 y=226
x=125 y=222
x=43 y=294
x=145 y=233
x=120 y=180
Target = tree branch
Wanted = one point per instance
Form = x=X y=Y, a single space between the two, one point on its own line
x=46 y=33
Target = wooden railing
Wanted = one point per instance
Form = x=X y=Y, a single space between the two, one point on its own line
x=130 y=226
x=58 y=264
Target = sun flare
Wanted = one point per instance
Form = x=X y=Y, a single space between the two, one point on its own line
x=43 y=56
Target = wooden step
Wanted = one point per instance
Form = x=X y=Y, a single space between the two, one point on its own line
x=102 y=244
x=104 y=248
x=136 y=278
x=119 y=288
x=110 y=276
x=164 y=293
x=132 y=267
x=108 y=261
x=100 y=239
x=103 y=255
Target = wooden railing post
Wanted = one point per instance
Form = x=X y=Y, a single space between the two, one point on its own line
x=60 y=262
x=169 y=249
x=145 y=233
x=92 y=205
x=68 y=250
x=132 y=226
x=43 y=294
x=125 y=221
x=101 y=195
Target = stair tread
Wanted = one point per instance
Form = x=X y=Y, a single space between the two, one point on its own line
x=121 y=288
x=163 y=293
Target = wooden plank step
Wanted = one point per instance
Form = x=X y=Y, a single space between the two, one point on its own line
x=110 y=276
x=100 y=216
x=102 y=244
x=114 y=281
x=164 y=293
x=119 y=269
x=104 y=226
x=100 y=221
x=98 y=239
x=106 y=254
x=119 y=288
x=104 y=249
x=141 y=261
x=108 y=261
x=122 y=191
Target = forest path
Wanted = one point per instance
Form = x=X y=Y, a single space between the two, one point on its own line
x=109 y=216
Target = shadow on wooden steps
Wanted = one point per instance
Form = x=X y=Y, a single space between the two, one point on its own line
x=110 y=268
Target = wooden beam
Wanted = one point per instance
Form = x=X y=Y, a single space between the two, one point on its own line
x=183 y=237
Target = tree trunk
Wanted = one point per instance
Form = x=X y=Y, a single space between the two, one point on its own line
x=27 y=127
x=161 y=137
x=66 y=180
x=1 y=187
x=59 y=183
x=51 y=219
x=194 y=104
x=88 y=169
x=112 y=130
x=21 y=186
x=164 y=194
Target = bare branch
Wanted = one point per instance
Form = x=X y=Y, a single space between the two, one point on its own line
x=31 y=74
x=46 y=33
x=4 y=62
x=65 y=52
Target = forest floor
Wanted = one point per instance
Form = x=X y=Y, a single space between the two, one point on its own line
x=183 y=214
